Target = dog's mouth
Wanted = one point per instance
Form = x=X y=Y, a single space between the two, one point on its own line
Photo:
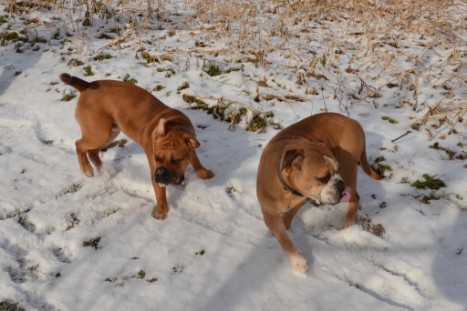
x=175 y=182
x=163 y=177
x=346 y=194
x=179 y=180
x=335 y=192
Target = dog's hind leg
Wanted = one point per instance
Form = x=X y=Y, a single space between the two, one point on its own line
x=92 y=141
x=83 y=160
x=94 y=154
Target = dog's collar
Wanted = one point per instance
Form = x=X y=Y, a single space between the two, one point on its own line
x=171 y=124
x=286 y=186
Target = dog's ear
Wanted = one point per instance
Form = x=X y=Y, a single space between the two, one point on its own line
x=332 y=161
x=192 y=142
x=160 y=129
x=292 y=157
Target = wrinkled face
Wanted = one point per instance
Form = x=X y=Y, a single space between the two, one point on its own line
x=172 y=152
x=314 y=173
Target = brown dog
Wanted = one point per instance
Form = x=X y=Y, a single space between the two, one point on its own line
x=167 y=136
x=315 y=159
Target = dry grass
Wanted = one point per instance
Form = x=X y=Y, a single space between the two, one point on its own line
x=364 y=43
x=356 y=50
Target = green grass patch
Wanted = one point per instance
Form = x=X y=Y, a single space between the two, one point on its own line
x=257 y=123
x=169 y=72
x=150 y=58
x=102 y=56
x=389 y=119
x=183 y=86
x=8 y=305
x=67 y=97
x=213 y=70
x=75 y=62
x=159 y=88
x=200 y=104
x=141 y=274
x=383 y=168
x=430 y=182
x=88 y=71
x=11 y=37
x=127 y=79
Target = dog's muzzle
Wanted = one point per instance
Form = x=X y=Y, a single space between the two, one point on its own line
x=164 y=177
x=333 y=192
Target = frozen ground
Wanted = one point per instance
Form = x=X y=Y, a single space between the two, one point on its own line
x=68 y=242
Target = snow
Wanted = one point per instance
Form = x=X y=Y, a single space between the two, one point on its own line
x=68 y=242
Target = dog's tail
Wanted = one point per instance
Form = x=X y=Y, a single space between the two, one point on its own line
x=75 y=82
x=367 y=168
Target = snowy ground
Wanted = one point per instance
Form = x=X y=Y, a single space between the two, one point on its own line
x=68 y=242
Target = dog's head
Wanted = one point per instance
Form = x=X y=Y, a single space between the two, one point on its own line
x=314 y=172
x=172 y=150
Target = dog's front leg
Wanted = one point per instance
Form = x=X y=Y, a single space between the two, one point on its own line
x=161 y=210
x=351 y=215
x=275 y=223
x=200 y=170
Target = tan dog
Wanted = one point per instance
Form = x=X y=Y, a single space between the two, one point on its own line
x=167 y=136
x=315 y=159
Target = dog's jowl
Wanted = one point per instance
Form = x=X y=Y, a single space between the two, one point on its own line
x=106 y=107
x=316 y=160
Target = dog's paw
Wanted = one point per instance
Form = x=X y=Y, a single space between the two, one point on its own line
x=88 y=171
x=205 y=174
x=299 y=264
x=159 y=214
x=347 y=223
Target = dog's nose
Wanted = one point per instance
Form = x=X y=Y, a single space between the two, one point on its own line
x=161 y=176
x=340 y=187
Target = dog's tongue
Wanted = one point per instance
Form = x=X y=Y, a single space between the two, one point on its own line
x=346 y=194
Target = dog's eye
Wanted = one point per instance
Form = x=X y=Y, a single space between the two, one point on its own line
x=325 y=179
x=158 y=158
x=175 y=161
